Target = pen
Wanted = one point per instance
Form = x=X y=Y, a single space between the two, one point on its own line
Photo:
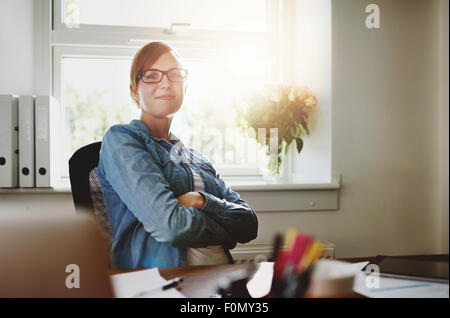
x=301 y=244
x=170 y=284
x=314 y=253
x=276 y=247
x=291 y=235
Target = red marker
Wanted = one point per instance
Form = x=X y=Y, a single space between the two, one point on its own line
x=301 y=245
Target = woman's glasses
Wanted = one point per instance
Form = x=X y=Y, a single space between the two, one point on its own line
x=155 y=76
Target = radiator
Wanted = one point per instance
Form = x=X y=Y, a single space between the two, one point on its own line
x=256 y=253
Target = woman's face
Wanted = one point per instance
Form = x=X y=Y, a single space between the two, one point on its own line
x=162 y=99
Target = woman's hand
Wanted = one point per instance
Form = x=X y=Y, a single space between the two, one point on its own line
x=192 y=199
x=197 y=200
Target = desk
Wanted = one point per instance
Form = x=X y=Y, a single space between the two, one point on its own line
x=201 y=281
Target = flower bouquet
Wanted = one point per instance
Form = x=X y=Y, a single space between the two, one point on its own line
x=283 y=107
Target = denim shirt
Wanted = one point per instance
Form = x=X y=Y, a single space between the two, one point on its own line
x=141 y=177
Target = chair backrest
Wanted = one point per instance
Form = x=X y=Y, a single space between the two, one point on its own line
x=87 y=190
x=80 y=165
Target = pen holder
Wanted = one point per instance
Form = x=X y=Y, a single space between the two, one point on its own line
x=234 y=284
x=291 y=285
x=234 y=289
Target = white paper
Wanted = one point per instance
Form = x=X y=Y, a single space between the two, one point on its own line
x=128 y=285
x=261 y=282
x=359 y=266
x=399 y=288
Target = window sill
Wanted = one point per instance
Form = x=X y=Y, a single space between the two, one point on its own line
x=260 y=195
x=63 y=189
x=281 y=186
x=289 y=197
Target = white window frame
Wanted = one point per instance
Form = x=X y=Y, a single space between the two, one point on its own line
x=123 y=41
x=129 y=35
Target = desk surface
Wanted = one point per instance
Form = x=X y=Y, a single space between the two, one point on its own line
x=201 y=281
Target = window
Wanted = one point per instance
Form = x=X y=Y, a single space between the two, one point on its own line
x=202 y=14
x=227 y=51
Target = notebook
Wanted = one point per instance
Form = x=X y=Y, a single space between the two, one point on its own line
x=52 y=256
x=399 y=267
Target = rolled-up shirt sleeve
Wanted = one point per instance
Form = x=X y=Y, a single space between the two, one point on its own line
x=138 y=180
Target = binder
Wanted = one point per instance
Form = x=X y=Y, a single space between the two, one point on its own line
x=8 y=141
x=47 y=132
x=26 y=142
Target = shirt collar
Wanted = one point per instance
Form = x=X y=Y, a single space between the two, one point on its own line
x=141 y=126
x=174 y=139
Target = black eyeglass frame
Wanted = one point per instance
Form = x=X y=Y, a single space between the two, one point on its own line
x=163 y=73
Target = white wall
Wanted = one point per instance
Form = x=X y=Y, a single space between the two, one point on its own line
x=312 y=43
x=443 y=125
x=16 y=47
x=16 y=77
x=385 y=137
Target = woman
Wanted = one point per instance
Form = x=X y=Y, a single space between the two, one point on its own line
x=164 y=211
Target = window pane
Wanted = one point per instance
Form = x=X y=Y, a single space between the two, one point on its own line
x=95 y=96
x=230 y=15
x=206 y=120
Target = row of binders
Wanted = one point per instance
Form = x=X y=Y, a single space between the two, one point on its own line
x=29 y=140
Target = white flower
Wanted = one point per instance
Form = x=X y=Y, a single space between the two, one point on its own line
x=311 y=101
x=291 y=95
x=275 y=94
x=302 y=93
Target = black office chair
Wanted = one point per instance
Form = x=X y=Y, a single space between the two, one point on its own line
x=87 y=189
x=82 y=162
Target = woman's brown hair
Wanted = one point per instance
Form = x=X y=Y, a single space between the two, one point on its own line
x=144 y=59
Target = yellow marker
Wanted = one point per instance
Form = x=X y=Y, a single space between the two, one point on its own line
x=289 y=240
x=311 y=255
